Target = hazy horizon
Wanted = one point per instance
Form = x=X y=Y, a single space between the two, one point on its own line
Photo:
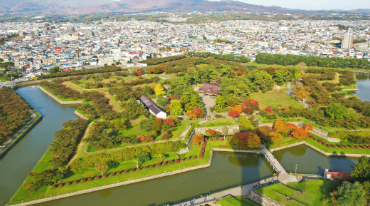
x=312 y=5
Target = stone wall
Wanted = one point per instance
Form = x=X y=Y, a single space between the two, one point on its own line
x=18 y=136
x=56 y=99
x=232 y=130
x=236 y=150
x=263 y=200
x=80 y=115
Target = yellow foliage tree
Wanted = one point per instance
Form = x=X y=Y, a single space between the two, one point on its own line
x=159 y=90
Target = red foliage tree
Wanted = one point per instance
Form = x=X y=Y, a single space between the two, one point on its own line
x=264 y=131
x=233 y=114
x=242 y=139
x=210 y=132
x=300 y=133
x=140 y=72
x=247 y=110
x=169 y=122
x=268 y=109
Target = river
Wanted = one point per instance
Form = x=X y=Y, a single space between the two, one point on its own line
x=227 y=169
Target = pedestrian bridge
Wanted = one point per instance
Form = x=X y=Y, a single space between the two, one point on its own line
x=272 y=160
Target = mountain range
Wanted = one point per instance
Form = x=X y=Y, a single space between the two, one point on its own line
x=134 y=6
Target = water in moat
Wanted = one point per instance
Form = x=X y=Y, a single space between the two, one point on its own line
x=227 y=169
x=363 y=85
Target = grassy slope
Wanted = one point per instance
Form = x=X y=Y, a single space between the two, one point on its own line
x=314 y=192
x=219 y=122
x=236 y=201
x=275 y=97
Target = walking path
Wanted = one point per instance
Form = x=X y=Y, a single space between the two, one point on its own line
x=272 y=160
x=237 y=191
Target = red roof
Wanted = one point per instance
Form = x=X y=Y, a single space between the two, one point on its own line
x=336 y=175
x=210 y=88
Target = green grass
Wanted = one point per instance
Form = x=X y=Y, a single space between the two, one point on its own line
x=23 y=195
x=334 y=81
x=218 y=122
x=236 y=201
x=60 y=97
x=312 y=192
x=287 y=141
x=180 y=129
x=293 y=66
x=337 y=149
x=276 y=97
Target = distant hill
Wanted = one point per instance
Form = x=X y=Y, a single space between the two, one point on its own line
x=129 y=6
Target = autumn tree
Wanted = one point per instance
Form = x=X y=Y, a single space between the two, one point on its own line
x=276 y=138
x=264 y=132
x=242 y=140
x=101 y=167
x=296 y=74
x=140 y=72
x=308 y=127
x=238 y=109
x=233 y=114
x=302 y=92
x=300 y=133
x=176 y=107
x=291 y=127
x=281 y=127
x=159 y=90
x=254 y=140
x=198 y=138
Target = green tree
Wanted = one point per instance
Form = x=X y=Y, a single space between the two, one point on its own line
x=175 y=107
x=338 y=111
x=361 y=171
x=296 y=74
x=120 y=124
x=220 y=101
x=141 y=157
x=101 y=167
x=147 y=90
x=162 y=101
x=351 y=194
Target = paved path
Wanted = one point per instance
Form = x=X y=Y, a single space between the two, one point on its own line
x=237 y=191
x=272 y=160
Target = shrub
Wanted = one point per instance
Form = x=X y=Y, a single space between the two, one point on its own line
x=61 y=184
x=357 y=146
x=182 y=159
x=346 y=146
x=194 y=157
x=324 y=143
x=216 y=139
x=352 y=146
x=105 y=176
x=189 y=157
x=314 y=138
x=329 y=145
x=76 y=181
x=126 y=171
x=334 y=146
x=340 y=146
x=118 y=173
x=159 y=164
x=89 y=179
x=132 y=170
x=320 y=140
x=97 y=177
x=54 y=186
x=221 y=139
x=68 y=183
x=83 y=180
x=177 y=161
x=140 y=168
x=170 y=162
x=364 y=147
x=151 y=166
x=112 y=174
x=146 y=167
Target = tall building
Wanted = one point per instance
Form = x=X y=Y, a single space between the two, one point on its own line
x=347 y=41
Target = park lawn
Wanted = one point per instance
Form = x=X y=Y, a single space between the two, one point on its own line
x=24 y=195
x=276 y=97
x=58 y=96
x=287 y=141
x=218 y=122
x=313 y=192
x=236 y=201
x=268 y=65
x=180 y=129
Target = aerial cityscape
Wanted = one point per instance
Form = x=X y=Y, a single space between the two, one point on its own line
x=196 y=102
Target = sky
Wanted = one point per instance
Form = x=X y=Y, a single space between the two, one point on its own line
x=314 y=4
